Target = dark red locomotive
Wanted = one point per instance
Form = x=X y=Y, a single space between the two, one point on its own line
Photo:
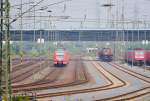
x=105 y=54
x=148 y=56
x=135 y=56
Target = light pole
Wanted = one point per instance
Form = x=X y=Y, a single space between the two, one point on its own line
x=132 y=46
x=108 y=5
x=145 y=43
x=21 y=27
x=21 y=33
x=40 y=41
x=49 y=32
x=1 y=33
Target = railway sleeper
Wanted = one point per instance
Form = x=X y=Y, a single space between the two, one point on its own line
x=81 y=73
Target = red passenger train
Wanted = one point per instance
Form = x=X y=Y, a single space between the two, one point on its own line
x=60 y=57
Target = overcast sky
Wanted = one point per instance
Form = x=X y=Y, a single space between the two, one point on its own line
x=83 y=14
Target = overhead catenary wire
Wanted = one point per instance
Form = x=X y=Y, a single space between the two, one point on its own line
x=45 y=7
x=37 y=4
x=73 y=18
x=61 y=19
x=56 y=3
x=26 y=3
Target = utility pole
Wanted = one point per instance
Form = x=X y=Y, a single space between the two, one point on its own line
x=117 y=31
x=109 y=7
x=6 y=83
x=21 y=34
x=97 y=14
x=123 y=29
x=1 y=32
x=136 y=15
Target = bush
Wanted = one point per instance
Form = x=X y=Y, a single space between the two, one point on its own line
x=20 y=98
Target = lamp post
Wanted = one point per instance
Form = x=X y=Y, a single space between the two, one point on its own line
x=108 y=5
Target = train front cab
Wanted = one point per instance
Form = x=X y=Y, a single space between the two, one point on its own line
x=135 y=59
x=135 y=62
x=62 y=62
x=138 y=62
x=106 y=58
x=57 y=63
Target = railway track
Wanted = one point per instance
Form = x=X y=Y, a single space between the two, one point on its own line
x=25 y=63
x=145 y=67
x=21 y=66
x=133 y=94
x=111 y=85
x=101 y=88
x=47 y=82
x=81 y=73
x=27 y=72
x=132 y=73
x=127 y=96
x=15 y=62
x=50 y=77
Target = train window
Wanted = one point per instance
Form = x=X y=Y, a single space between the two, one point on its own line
x=139 y=54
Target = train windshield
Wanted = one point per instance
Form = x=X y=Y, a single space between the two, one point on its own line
x=139 y=54
x=60 y=54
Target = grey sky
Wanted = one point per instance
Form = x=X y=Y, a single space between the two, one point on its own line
x=86 y=14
